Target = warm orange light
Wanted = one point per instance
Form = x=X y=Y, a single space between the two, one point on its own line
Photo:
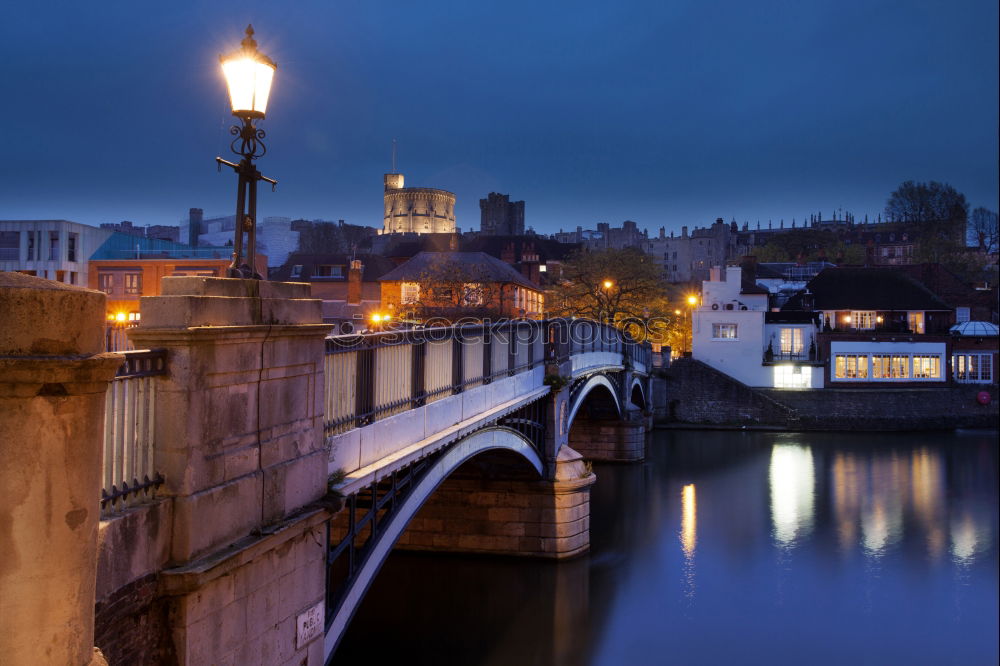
x=878 y=319
x=847 y=319
x=677 y=312
x=120 y=316
x=608 y=284
x=376 y=317
x=692 y=300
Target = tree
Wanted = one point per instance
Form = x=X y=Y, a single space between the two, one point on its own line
x=938 y=213
x=624 y=287
x=449 y=290
x=983 y=229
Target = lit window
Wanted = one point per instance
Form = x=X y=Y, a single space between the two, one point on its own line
x=791 y=376
x=409 y=292
x=851 y=366
x=900 y=366
x=926 y=366
x=133 y=283
x=881 y=366
x=863 y=320
x=973 y=368
x=915 y=322
x=106 y=282
x=724 y=331
x=791 y=341
x=472 y=293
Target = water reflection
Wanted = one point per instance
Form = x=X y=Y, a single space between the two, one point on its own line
x=689 y=535
x=793 y=486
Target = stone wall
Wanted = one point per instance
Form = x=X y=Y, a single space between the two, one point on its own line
x=131 y=626
x=697 y=393
x=608 y=440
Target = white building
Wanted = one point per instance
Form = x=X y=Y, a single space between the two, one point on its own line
x=733 y=332
x=53 y=249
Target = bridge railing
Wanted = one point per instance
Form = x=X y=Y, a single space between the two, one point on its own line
x=129 y=421
x=375 y=375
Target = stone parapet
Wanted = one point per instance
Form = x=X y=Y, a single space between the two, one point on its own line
x=53 y=379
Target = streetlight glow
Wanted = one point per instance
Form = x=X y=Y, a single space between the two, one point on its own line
x=248 y=75
x=608 y=284
x=692 y=300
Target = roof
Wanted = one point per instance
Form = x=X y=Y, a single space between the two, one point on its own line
x=484 y=266
x=547 y=249
x=975 y=329
x=791 y=317
x=866 y=289
x=126 y=246
x=372 y=265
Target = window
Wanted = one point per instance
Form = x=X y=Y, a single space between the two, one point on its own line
x=863 y=320
x=926 y=367
x=53 y=246
x=972 y=367
x=881 y=366
x=133 y=283
x=789 y=376
x=32 y=254
x=409 y=292
x=961 y=315
x=724 y=331
x=900 y=367
x=915 y=322
x=297 y=270
x=10 y=245
x=851 y=366
x=472 y=293
x=329 y=271
x=791 y=341
x=106 y=282
x=71 y=241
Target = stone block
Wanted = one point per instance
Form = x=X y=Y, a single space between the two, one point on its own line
x=291 y=485
x=443 y=414
x=474 y=401
x=131 y=545
x=216 y=516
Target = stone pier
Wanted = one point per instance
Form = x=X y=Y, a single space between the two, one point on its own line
x=239 y=440
x=53 y=379
x=609 y=440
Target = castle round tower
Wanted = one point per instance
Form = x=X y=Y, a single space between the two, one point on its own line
x=421 y=210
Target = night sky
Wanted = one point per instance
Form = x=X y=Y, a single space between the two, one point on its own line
x=667 y=113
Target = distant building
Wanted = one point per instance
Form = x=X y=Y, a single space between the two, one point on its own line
x=276 y=238
x=160 y=231
x=420 y=210
x=459 y=284
x=52 y=249
x=499 y=216
x=605 y=237
x=688 y=258
x=127 y=268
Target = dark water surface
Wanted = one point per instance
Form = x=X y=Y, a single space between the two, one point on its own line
x=729 y=548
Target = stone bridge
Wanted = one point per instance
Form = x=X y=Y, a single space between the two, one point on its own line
x=256 y=473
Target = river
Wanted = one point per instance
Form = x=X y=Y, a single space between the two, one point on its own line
x=728 y=548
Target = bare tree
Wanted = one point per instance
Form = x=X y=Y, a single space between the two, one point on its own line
x=983 y=229
x=452 y=290
x=938 y=213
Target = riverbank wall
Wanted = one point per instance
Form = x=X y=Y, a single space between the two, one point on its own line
x=697 y=394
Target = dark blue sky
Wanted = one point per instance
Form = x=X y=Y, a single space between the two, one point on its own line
x=667 y=113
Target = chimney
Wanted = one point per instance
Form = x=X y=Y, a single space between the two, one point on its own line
x=684 y=232
x=354 y=282
x=508 y=254
x=715 y=274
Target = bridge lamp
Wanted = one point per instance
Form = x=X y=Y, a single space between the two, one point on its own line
x=249 y=74
x=692 y=300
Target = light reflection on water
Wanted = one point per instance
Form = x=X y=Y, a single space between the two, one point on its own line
x=731 y=548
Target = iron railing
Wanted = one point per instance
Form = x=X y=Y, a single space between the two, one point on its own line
x=372 y=376
x=129 y=423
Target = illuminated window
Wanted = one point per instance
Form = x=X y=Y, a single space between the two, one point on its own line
x=863 y=320
x=900 y=367
x=724 y=331
x=851 y=366
x=926 y=366
x=972 y=368
x=915 y=322
x=106 y=282
x=791 y=376
x=881 y=366
x=791 y=341
x=409 y=292
x=133 y=283
x=472 y=293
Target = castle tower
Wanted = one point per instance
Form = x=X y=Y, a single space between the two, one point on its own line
x=420 y=210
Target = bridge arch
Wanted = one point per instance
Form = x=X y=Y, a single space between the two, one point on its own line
x=605 y=389
x=490 y=439
x=637 y=394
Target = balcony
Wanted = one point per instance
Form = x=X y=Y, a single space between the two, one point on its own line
x=810 y=356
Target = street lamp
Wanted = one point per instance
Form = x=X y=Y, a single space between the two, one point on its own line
x=692 y=300
x=248 y=75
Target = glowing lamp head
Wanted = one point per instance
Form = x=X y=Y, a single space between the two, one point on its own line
x=847 y=319
x=878 y=319
x=248 y=75
x=677 y=312
x=120 y=316
x=608 y=284
x=692 y=300
x=376 y=318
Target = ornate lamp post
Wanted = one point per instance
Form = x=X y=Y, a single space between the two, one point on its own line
x=248 y=75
